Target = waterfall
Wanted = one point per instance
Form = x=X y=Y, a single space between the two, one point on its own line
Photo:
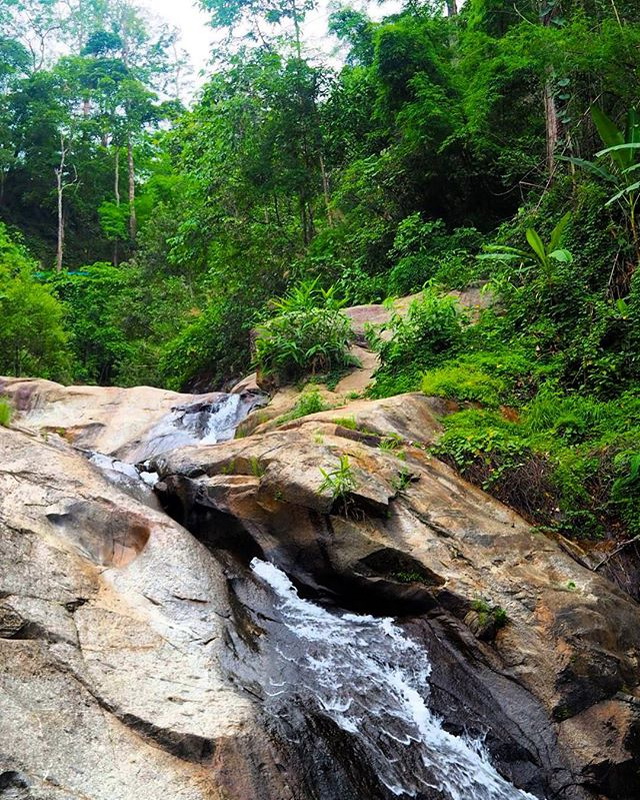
x=367 y=676
x=195 y=423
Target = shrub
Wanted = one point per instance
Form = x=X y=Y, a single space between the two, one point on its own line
x=32 y=331
x=95 y=299
x=425 y=250
x=339 y=483
x=310 y=402
x=212 y=350
x=431 y=331
x=464 y=382
x=34 y=340
x=310 y=335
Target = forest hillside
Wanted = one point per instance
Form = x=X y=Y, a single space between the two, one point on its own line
x=495 y=145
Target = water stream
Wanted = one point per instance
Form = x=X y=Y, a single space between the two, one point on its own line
x=196 y=423
x=371 y=680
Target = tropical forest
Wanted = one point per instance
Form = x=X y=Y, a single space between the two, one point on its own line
x=322 y=371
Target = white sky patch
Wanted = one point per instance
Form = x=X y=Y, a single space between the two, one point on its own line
x=198 y=38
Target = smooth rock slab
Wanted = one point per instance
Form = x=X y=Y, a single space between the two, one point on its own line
x=113 y=620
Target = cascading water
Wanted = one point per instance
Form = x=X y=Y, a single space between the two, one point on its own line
x=196 y=423
x=210 y=422
x=371 y=680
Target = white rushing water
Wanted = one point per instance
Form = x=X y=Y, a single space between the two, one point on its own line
x=366 y=675
x=208 y=423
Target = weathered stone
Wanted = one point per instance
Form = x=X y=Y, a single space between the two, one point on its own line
x=116 y=623
x=111 y=630
x=430 y=545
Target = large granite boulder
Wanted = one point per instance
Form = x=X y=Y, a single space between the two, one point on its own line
x=556 y=645
x=112 y=625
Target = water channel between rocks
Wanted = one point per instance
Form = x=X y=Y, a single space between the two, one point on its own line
x=362 y=673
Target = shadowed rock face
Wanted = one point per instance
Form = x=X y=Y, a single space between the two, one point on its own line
x=134 y=653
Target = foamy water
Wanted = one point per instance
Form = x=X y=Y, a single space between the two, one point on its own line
x=366 y=675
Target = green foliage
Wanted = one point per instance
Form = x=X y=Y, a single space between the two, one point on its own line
x=393 y=444
x=430 y=332
x=209 y=350
x=401 y=482
x=346 y=422
x=5 y=414
x=464 y=382
x=489 y=614
x=492 y=378
x=339 y=483
x=32 y=326
x=541 y=254
x=423 y=251
x=569 y=462
x=309 y=335
x=310 y=402
x=622 y=149
x=95 y=299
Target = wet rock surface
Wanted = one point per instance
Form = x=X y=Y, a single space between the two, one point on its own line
x=415 y=540
x=134 y=653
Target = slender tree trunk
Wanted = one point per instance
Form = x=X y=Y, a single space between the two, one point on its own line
x=276 y=208
x=550 y=109
x=551 y=118
x=133 y=222
x=116 y=191
x=452 y=8
x=303 y=220
x=59 y=171
x=60 y=250
x=296 y=25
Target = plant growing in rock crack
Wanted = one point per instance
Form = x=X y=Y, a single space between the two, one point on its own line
x=402 y=481
x=257 y=467
x=392 y=444
x=339 y=482
x=489 y=615
x=346 y=422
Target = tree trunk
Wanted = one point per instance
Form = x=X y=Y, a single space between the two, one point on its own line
x=551 y=118
x=116 y=191
x=59 y=171
x=133 y=222
x=550 y=109
x=452 y=8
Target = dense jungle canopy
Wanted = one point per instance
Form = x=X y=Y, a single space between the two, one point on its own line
x=493 y=145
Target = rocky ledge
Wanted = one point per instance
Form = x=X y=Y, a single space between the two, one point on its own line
x=121 y=619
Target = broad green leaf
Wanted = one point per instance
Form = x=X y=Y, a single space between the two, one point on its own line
x=590 y=166
x=557 y=232
x=607 y=129
x=622 y=306
x=618 y=147
x=627 y=190
x=503 y=257
x=611 y=137
x=503 y=248
x=562 y=255
x=537 y=245
x=632 y=133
